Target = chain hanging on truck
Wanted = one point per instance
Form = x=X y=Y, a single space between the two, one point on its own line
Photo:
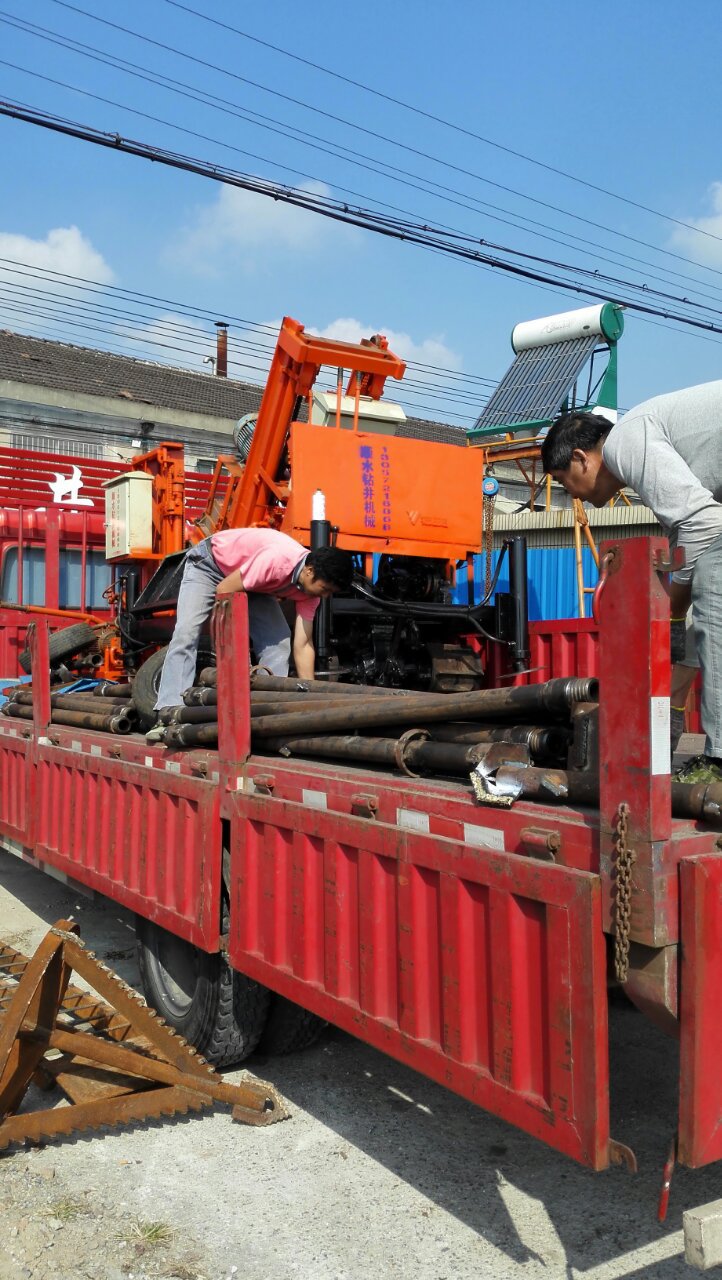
x=623 y=863
x=489 y=489
x=115 y=1059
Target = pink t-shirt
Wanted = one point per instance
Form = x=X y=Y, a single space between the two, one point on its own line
x=266 y=559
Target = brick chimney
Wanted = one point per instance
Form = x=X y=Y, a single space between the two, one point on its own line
x=221 y=349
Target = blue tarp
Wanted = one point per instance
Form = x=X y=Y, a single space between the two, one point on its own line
x=552 y=581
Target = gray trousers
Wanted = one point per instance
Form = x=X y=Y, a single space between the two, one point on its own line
x=707 y=621
x=270 y=633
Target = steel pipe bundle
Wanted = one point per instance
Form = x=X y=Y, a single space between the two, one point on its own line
x=75 y=701
x=115 y=722
x=556 y=697
x=83 y=710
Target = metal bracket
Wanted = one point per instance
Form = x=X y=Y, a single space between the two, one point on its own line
x=264 y=783
x=666 y=563
x=621 y=1154
x=541 y=843
x=364 y=806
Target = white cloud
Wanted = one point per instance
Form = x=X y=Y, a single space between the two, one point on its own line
x=38 y=301
x=250 y=351
x=431 y=350
x=703 y=248
x=238 y=223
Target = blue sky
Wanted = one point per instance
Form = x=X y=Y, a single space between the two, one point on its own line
x=626 y=97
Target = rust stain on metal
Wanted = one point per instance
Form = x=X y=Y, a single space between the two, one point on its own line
x=120 y=1062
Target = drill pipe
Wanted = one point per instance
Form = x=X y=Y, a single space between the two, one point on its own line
x=260 y=706
x=76 y=702
x=549 y=740
x=201 y=697
x=209 y=677
x=291 y=684
x=189 y=715
x=438 y=757
x=207 y=696
x=116 y=722
x=191 y=735
x=556 y=696
x=700 y=801
x=110 y=690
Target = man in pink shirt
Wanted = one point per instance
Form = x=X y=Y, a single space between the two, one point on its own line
x=269 y=566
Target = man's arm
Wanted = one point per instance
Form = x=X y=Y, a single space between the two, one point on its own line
x=304 y=654
x=234 y=582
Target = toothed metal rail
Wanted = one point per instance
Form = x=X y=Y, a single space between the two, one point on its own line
x=114 y=1058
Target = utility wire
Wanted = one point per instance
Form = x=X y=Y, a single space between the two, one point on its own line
x=374 y=168
x=146 y=73
x=151 y=302
x=423 y=235
x=428 y=115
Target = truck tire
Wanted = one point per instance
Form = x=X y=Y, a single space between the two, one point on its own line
x=220 y=1012
x=289 y=1028
x=144 y=690
x=63 y=644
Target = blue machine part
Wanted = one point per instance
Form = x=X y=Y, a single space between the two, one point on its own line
x=85 y=684
x=489 y=487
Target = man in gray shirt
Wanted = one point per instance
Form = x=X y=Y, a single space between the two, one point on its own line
x=669 y=451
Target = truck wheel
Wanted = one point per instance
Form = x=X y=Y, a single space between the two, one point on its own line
x=63 y=644
x=221 y=1012
x=289 y=1028
x=144 y=690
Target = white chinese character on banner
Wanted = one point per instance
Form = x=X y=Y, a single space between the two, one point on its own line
x=67 y=489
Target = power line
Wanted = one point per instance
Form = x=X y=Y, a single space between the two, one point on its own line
x=428 y=115
x=438 y=194
x=423 y=235
x=122 y=64
x=172 y=336
x=152 y=302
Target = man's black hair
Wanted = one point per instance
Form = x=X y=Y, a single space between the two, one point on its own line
x=572 y=431
x=332 y=565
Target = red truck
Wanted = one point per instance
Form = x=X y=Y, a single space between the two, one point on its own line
x=473 y=943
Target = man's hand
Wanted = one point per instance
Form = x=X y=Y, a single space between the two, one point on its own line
x=231 y=584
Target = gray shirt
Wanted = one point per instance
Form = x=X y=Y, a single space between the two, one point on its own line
x=669 y=450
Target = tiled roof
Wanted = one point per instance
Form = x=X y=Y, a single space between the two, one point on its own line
x=81 y=370
x=84 y=371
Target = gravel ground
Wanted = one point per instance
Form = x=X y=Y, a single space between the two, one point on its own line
x=378 y=1172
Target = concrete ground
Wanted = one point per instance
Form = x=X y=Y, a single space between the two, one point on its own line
x=378 y=1172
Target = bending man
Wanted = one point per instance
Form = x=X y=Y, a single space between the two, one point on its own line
x=669 y=451
x=269 y=566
